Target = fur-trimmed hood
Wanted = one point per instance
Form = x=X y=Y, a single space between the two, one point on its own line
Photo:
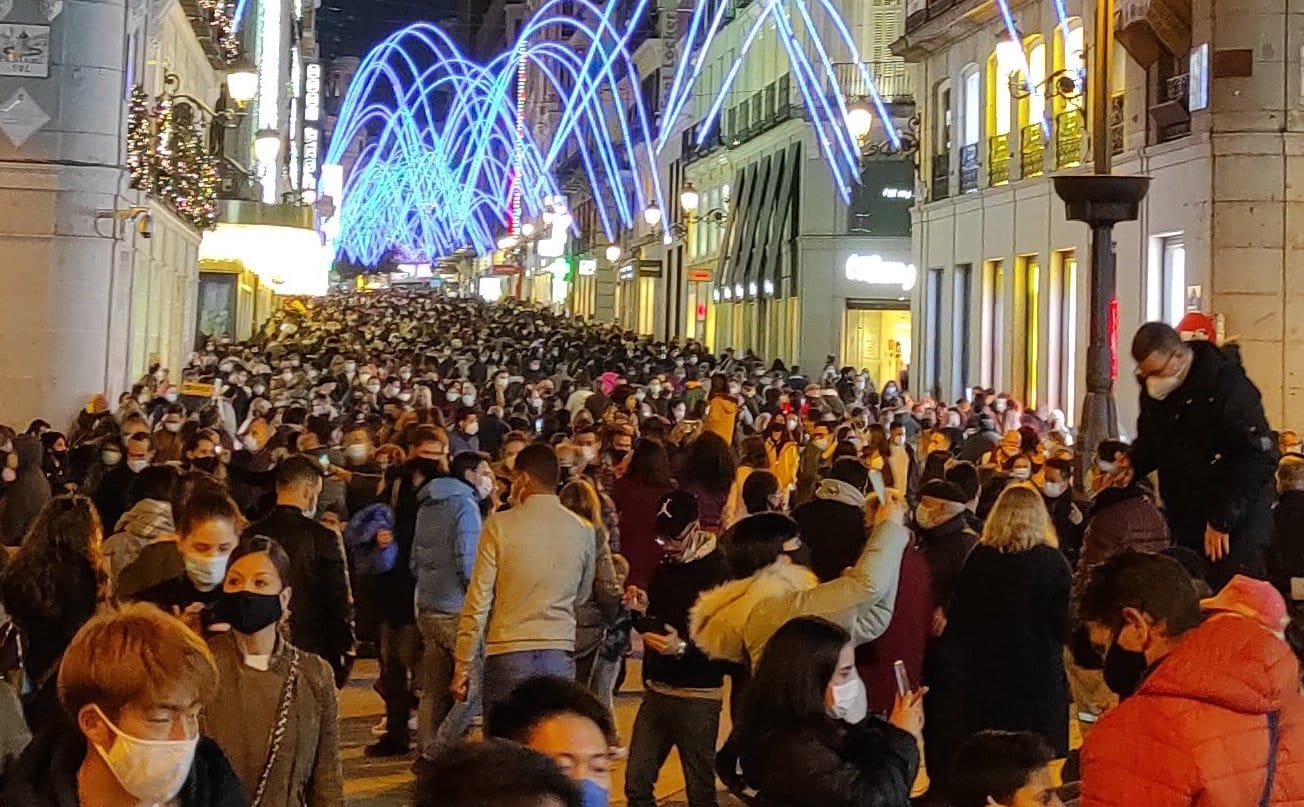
x=718 y=620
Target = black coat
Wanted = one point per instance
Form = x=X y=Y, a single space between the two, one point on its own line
x=1286 y=555
x=834 y=534
x=1010 y=615
x=871 y=764
x=321 y=604
x=46 y=774
x=672 y=590
x=111 y=496
x=1210 y=443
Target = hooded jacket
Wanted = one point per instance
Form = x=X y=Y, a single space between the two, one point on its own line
x=26 y=495
x=146 y=522
x=443 y=550
x=832 y=527
x=721 y=416
x=1121 y=518
x=1196 y=733
x=736 y=620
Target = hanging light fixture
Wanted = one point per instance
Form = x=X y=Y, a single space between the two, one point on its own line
x=652 y=215
x=242 y=80
x=860 y=120
x=267 y=146
x=613 y=252
x=689 y=199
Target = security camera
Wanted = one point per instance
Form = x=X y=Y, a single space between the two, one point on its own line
x=145 y=226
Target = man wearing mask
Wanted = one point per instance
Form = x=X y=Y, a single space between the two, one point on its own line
x=112 y=496
x=361 y=475
x=905 y=470
x=813 y=457
x=321 y=606
x=1056 y=482
x=535 y=564
x=980 y=443
x=1203 y=429
x=465 y=435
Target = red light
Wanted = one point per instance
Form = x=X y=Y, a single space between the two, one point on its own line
x=701 y=311
x=1113 y=339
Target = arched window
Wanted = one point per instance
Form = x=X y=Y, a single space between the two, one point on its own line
x=1003 y=63
x=944 y=105
x=1070 y=56
x=1034 y=108
x=971 y=99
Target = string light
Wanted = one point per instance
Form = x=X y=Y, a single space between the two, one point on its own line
x=166 y=157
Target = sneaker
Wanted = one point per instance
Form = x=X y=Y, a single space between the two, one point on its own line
x=387 y=747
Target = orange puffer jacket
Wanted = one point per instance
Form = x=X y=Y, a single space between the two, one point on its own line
x=1196 y=732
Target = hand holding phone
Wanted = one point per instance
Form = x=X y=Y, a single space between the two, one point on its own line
x=902 y=678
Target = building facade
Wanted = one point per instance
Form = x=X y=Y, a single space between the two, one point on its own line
x=1207 y=106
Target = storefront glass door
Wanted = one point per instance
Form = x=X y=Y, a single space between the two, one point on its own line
x=877 y=340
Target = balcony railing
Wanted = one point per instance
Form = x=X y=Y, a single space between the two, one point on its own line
x=1068 y=139
x=752 y=116
x=998 y=160
x=969 y=168
x=941 y=186
x=890 y=79
x=1032 y=151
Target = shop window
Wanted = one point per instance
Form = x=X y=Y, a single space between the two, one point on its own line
x=961 y=288
x=993 y=324
x=1062 y=327
x=880 y=205
x=1028 y=291
x=933 y=337
x=1166 y=284
x=647 y=305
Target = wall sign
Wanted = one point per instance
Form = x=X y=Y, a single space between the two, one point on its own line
x=873 y=269
x=25 y=50
x=588 y=267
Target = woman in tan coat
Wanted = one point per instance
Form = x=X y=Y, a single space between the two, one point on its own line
x=276 y=713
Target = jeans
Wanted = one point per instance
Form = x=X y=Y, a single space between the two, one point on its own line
x=666 y=721
x=441 y=720
x=503 y=672
x=400 y=656
x=598 y=676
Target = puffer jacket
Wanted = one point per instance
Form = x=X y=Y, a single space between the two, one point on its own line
x=445 y=544
x=721 y=417
x=148 y=521
x=1196 y=733
x=1121 y=518
x=735 y=621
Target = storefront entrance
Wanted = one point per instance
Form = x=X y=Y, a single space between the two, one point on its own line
x=876 y=336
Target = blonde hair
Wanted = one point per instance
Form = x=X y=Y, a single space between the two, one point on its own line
x=581 y=498
x=134 y=654
x=1019 y=521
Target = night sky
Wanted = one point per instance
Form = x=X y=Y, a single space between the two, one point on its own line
x=352 y=27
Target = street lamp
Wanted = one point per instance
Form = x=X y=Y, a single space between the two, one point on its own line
x=242 y=80
x=267 y=146
x=689 y=199
x=860 y=120
x=613 y=252
x=527 y=229
x=652 y=215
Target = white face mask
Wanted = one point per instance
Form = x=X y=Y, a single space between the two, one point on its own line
x=110 y=458
x=820 y=442
x=137 y=465
x=249 y=443
x=468 y=400
x=484 y=486
x=1160 y=387
x=1021 y=473
x=850 y=701
x=453 y=395
x=589 y=453
x=473 y=429
x=204 y=570
x=356 y=452
x=170 y=397
x=172 y=427
x=153 y=771
x=1055 y=489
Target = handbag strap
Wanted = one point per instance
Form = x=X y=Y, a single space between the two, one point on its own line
x=1274 y=740
x=279 y=727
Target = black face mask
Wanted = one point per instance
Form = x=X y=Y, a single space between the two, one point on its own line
x=618 y=454
x=247 y=612
x=206 y=464
x=1124 y=670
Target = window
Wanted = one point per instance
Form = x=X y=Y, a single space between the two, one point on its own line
x=961 y=283
x=1034 y=106
x=1062 y=327
x=1028 y=286
x=1005 y=62
x=993 y=323
x=1070 y=50
x=942 y=142
x=933 y=321
x=972 y=105
x=1166 y=285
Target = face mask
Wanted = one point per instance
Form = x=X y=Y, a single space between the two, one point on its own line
x=153 y=771
x=792 y=425
x=1124 y=670
x=899 y=440
x=453 y=395
x=468 y=400
x=820 y=442
x=484 y=487
x=734 y=389
x=249 y=443
x=374 y=389
x=247 y=612
x=206 y=464
x=259 y=389
x=500 y=383
x=350 y=367
x=654 y=390
x=473 y=429
x=356 y=452
x=1054 y=490
x=999 y=406
x=137 y=466
x=110 y=458
x=593 y=794
x=537 y=404
x=405 y=375
x=589 y=453
x=1021 y=473
x=204 y=570
x=172 y=427
x=170 y=397
x=1159 y=388
x=850 y=701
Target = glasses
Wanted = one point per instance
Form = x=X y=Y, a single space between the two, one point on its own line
x=1142 y=375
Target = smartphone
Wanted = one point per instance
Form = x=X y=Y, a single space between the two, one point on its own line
x=902 y=679
x=649 y=624
x=538 y=424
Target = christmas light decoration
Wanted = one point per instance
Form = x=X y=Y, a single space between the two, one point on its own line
x=451 y=161
x=167 y=157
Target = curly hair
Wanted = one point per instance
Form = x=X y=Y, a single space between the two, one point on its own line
x=60 y=558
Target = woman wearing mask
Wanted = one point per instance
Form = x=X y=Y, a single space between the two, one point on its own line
x=783 y=447
x=55 y=463
x=708 y=473
x=761 y=494
x=203 y=453
x=599 y=614
x=275 y=712
x=806 y=739
x=53 y=585
x=751 y=457
x=209 y=525
x=877 y=453
x=636 y=495
x=1003 y=456
x=722 y=408
x=1010 y=615
x=168 y=440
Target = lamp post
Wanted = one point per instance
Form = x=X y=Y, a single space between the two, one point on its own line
x=1100 y=201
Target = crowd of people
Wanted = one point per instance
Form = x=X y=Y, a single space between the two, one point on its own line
x=898 y=599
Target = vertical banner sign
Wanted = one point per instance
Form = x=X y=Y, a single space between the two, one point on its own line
x=669 y=10
x=311 y=124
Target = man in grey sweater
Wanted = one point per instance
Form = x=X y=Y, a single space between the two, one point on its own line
x=533 y=568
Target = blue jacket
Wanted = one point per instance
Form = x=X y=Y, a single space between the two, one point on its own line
x=444 y=548
x=360 y=537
